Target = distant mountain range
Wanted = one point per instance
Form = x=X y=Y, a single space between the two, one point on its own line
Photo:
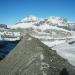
x=31 y=21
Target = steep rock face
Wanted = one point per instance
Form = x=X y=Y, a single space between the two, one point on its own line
x=31 y=57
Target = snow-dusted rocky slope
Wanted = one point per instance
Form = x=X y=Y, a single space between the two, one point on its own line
x=52 y=32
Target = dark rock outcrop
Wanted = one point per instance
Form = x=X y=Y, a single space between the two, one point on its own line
x=3 y=26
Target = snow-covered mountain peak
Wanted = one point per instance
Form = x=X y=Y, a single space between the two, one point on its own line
x=57 y=20
x=30 y=19
x=52 y=19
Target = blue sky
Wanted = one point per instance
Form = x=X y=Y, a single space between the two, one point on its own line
x=14 y=10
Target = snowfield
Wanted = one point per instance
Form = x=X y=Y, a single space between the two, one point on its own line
x=54 y=43
x=67 y=51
